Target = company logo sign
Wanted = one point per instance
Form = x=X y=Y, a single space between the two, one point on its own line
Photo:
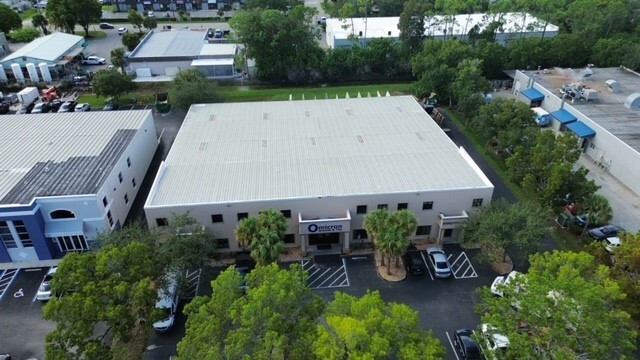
x=314 y=228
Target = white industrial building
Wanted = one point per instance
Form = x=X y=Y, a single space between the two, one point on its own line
x=325 y=164
x=66 y=177
x=163 y=53
x=603 y=110
x=346 y=32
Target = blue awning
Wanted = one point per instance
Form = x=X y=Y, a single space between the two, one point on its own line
x=533 y=94
x=563 y=116
x=579 y=128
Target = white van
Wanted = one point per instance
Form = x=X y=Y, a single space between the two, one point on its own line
x=542 y=117
x=168 y=299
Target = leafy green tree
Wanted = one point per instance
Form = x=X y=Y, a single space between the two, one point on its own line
x=275 y=319
x=272 y=4
x=367 y=328
x=617 y=51
x=626 y=271
x=149 y=23
x=502 y=229
x=390 y=232
x=563 y=308
x=192 y=87
x=65 y=14
x=493 y=58
x=130 y=40
x=25 y=35
x=264 y=235
x=118 y=58
x=411 y=25
x=597 y=209
x=283 y=44
x=40 y=21
x=469 y=87
x=86 y=12
x=9 y=19
x=528 y=53
x=135 y=19
x=112 y=83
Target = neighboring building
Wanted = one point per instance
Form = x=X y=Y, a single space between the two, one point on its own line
x=607 y=125
x=325 y=164
x=343 y=33
x=65 y=178
x=173 y=5
x=165 y=52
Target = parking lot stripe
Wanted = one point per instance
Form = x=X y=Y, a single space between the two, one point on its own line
x=6 y=279
x=346 y=274
x=319 y=277
x=427 y=265
x=453 y=347
x=463 y=264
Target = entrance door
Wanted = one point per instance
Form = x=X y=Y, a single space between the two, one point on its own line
x=324 y=241
x=16 y=239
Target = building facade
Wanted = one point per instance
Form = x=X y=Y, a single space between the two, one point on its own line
x=325 y=164
x=68 y=177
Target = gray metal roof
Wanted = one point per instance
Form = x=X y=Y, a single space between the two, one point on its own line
x=61 y=154
x=48 y=48
x=608 y=110
x=171 y=43
x=304 y=149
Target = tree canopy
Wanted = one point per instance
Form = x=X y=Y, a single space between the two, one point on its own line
x=40 y=21
x=112 y=83
x=130 y=40
x=391 y=232
x=9 y=19
x=118 y=58
x=263 y=235
x=65 y=14
x=192 y=87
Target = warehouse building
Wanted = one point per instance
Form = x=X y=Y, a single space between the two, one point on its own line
x=65 y=178
x=325 y=164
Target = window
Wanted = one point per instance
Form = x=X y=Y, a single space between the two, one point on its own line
x=242 y=216
x=383 y=206
x=423 y=230
x=286 y=213
x=128 y=162
x=216 y=218
x=7 y=236
x=110 y=218
x=289 y=238
x=360 y=234
x=71 y=243
x=427 y=205
x=222 y=243
x=62 y=214
x=476 y=202
x=162 y=222
x=133 y=181
x=447 y=232
x=120 y=177
x=104 y=201
x=126 y=198
x=23 y=234
x=361 y=209
x=403 y=206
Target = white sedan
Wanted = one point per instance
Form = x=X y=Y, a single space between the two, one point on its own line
x=122 y=30
x=83 y=107
x=94 y=60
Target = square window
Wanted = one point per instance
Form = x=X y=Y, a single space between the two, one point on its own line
x=289 y=238
x=362 y=209
x=476 y=202
x=286 y=213
x=126 y=198
x=120 y=177
x=133 y=181
x=128 y=162
x=447 y=232
x=162 y=222
x=110 y=218
x=427 y=205
x=222 y=243
x=242 y=216
x=104 y=201
x=403 y=206
x=216 y=218
x=423 y=230
x=360 y=234
x=383 y=206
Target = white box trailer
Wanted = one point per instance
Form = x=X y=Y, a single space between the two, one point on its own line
x=28 y=95
x=542 y=117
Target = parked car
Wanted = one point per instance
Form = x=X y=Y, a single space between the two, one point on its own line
x=106 y=26
x=413 y=261
x=55 y=105
x=151 y=14
x=604 y=232
x=26 y=109
x=41 y=108
x=122 y=30
x=83 y=107
x=611 y=243
x=217 y=34
x=94 y=60
x=465 y=345
x=44 y=291
x=439 y=263
x=168 y=299
x=502 y=280
x=5 y=357
x=110 y=106
x=493 y=342
x=67 y=106
x=4 y=109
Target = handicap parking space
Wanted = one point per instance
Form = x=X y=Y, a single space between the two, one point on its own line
x=326 y=271
x=192 y=284
x=6 y=279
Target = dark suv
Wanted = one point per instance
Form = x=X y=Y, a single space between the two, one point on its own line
x=466 y=346
x=413 y=261
x=604 y=232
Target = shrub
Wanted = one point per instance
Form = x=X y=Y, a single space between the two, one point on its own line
x=26 y=34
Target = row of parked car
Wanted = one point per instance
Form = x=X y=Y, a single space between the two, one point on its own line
x=54 y=106
x=415 y=262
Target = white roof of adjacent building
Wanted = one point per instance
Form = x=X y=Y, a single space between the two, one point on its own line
x=218 y=50
x=46 y=48
x=305 y=149
x=387 y=27
x=61 y=154
x=209 y=62
x=170 y=43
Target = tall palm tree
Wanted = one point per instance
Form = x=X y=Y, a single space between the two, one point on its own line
x=246 y=231
x=263 y=235
x=266 y=247
x=403 y=223
x=374 y=224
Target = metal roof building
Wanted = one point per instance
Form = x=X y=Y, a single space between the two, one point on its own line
x=54 y=49
x=68 y=176
x=319 y=159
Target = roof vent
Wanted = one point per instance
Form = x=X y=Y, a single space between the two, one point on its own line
x=360 y=139
x=632 y=101
x=265 y=116
x=613 y=86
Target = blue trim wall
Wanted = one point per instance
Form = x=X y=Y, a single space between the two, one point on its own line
x=35 y=227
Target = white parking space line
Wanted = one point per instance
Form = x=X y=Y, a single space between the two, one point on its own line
x=427 y=265
x=462 y=267
x=455 y=352
x=321 y=277
x=192 y=280
x=346 y=274
x=6 y=278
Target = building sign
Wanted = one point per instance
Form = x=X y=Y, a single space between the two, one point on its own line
x=322 y=227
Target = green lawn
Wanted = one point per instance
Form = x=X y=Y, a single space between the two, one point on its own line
x=28 y=14
x=111 y=8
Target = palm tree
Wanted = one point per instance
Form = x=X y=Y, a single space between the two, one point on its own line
x=266 y=247
x=263 y=235
x=598 y=211
x=118 y=58
x=40 y=21
x=404 y=223
x=246 y=231
x=374 y=224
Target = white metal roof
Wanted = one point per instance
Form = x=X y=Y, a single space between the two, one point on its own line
x=219 y=50
x=208 y=62
x=170 y=43
x=46 y=48
x=57 y=143
x=302 y=149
